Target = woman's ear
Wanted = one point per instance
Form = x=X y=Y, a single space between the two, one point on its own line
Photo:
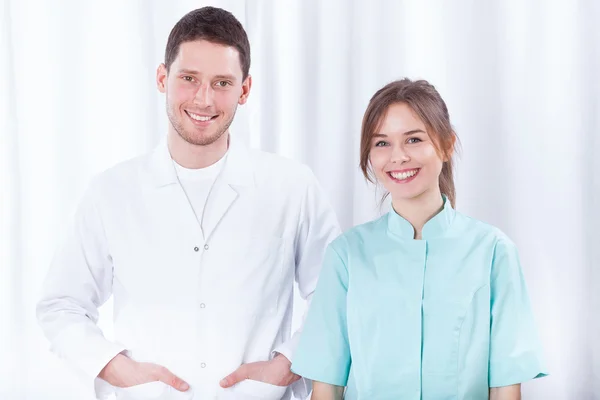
x=450 y=151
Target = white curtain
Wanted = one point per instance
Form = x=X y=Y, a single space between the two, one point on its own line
x=521 y=79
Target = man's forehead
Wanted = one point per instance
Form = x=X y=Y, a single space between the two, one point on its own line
x=208 y=58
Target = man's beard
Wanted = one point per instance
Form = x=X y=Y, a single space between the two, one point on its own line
x=194 y=139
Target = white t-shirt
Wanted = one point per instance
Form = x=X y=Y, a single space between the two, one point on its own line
x=197 y=183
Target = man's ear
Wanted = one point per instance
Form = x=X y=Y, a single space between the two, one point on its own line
x=246 y=86
x=161 y=78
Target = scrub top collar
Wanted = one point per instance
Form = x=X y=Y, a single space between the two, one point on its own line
x=437 y=226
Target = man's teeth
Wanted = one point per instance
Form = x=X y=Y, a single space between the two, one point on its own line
x=404 y=175
x=199 y=117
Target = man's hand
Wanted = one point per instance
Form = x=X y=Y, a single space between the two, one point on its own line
x=276 y=372
x=124 y=372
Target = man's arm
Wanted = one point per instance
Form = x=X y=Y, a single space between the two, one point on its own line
x=317 y=227
x=78 y=282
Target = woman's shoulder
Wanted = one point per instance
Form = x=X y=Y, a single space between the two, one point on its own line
x=465 y=225
x=359 y=235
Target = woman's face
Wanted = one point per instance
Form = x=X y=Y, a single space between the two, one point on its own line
x=403 y=156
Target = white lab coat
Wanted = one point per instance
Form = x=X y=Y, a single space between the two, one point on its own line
x=198 y=297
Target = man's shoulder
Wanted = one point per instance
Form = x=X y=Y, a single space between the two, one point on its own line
x=268 y=168
x=275 y=166
x=124 y=174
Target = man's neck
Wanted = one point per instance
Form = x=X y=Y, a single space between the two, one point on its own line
x=193 y=156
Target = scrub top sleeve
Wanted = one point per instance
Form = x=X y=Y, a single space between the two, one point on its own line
x=515 y=349
x=323 y=354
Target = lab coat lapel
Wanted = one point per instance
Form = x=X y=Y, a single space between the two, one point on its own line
x=237 y=172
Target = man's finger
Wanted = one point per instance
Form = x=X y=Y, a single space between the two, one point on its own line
x=240 y=374
x=166 y=376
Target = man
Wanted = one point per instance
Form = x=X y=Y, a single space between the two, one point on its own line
x=200 y=243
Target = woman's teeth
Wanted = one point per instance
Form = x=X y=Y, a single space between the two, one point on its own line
x=404 y=175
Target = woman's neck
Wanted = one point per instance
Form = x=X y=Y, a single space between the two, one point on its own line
x=417 y=211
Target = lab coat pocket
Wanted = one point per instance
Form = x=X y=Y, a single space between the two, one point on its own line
x=152 y=391
x=253 y=390
x=257 y=277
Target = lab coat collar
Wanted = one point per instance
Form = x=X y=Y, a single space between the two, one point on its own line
x=435 y=227
x=237 y=170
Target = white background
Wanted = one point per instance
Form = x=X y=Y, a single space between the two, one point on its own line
x=521 y=79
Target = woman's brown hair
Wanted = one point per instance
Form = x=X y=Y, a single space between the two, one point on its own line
x=426 y=102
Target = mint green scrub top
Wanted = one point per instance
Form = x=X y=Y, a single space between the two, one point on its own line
x=445 y=317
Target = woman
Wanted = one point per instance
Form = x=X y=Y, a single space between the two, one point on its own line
x=425 y=302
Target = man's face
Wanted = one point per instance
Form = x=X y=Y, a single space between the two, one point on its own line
x=203 y=88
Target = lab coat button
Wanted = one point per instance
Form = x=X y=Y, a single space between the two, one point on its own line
x=202 y=305
x=205 y=247
x=196 y=248
x=203 y=365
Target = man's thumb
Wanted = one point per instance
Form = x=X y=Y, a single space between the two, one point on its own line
x=236 y=376
x=166 y=376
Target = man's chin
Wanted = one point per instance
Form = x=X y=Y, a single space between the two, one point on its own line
x=202 y=140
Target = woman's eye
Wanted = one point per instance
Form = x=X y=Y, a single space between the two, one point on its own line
x=414 y=140
x=381 y=143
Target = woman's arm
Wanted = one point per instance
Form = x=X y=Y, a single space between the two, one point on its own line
x=515 y=350
x=325 y=391
x=512 y=392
